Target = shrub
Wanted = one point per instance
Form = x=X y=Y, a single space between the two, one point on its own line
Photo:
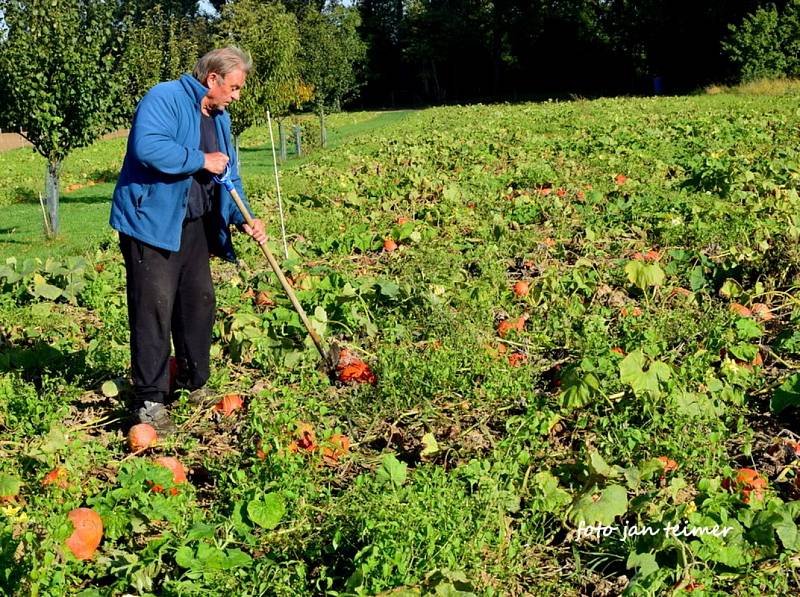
x=767 y=43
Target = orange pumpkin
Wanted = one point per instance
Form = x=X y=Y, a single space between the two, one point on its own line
x=516 y=359
x=351 y=368
x=229 y=404
x=522 y=288
x=141 y=437
x=87 y=534
x=668 y=463
x=337 y=446
x=507 y=325
x=57 y=477
x=762 y=312
x=741 y=310
x=173 y=464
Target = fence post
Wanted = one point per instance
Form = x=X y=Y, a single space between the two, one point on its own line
x=282 y=140
x=323 y=133
x=297 y=140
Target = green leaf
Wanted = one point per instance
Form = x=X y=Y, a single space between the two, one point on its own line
x=184 y=556
x=591 y=508
x=43 y=289
x=697 y=278
x=54 y=441
x=200 y=531
x=730 y=289
x=788 y=394
x=599 y=467
x=9 y=274
x=268 y=511
x=319 y=322
x=292 y=357
x=748 y=329
x=696 y=405
x=579 y=389
x=431 y=446
x=208 y=557
x=632 y=372
x=645 y=563
x=649 y=467
x=744 y=351
x=553 y=498
x=444 y=583
x=9 y=485
x=451 y=193
x=403 y=231
x=392 y=471
x=633 y=477
x=787 y=533
x=235 y=558
x=643 y=275
x=388 y=289
x=320 y=314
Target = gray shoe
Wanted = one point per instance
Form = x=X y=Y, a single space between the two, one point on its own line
x=155 y=414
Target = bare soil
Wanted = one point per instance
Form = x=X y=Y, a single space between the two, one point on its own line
x=10 y=141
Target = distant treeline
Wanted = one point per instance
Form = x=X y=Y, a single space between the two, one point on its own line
x=434 y=51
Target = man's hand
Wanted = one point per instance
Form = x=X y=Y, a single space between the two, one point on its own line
x=215 y=162
x=257 y=231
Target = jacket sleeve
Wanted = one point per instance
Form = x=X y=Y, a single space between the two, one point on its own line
x=154 y=138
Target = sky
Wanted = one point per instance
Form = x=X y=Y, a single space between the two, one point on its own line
x=206 y=8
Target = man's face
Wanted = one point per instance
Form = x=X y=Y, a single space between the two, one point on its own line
x=223 y=90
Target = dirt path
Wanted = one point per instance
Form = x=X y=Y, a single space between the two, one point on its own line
x=14 y=141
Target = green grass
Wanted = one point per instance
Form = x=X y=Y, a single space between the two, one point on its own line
x=759 y=87
x=84 y=211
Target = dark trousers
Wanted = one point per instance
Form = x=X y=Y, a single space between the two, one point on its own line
x=169 y=293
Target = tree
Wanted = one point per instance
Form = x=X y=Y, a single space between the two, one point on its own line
x=766 y=43
x=158 y=46
x=269 y=33
x=448 y=69
x=383 y=28
x=331 y=54
x=57 y=78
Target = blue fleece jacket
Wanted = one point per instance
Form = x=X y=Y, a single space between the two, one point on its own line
x=152 y=191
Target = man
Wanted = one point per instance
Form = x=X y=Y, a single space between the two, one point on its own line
x=171 y=216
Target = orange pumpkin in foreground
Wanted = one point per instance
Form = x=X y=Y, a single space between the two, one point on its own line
x=141 y=437
x=87 y=534
x=229 y=404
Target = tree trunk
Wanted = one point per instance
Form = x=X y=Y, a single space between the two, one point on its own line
x=323 y=134
x=438 y=92
x=51 y=192
x=236 y=146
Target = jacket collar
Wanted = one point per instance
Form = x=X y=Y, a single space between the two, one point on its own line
x=194 y=88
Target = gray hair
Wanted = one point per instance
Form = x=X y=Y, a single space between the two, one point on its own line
x=222 y=61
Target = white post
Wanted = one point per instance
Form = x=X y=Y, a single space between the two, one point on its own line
x=277 y=185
